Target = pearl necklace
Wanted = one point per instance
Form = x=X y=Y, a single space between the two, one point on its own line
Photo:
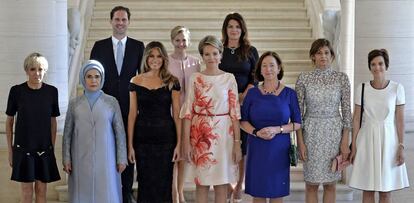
x=273 y=91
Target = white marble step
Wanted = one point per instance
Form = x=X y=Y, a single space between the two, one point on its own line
x=268 y=42
x=203 y=11
x=160 y=33
x=132 y=5
x=211 y=21
x=287 y=54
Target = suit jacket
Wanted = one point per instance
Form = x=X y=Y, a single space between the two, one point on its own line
x=117 y=85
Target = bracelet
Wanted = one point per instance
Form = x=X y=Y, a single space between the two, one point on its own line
x=401 y=145
x=238 y=141
x=281 y=129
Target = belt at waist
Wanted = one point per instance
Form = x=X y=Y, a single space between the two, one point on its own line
x=39 y=152
x=322 y=115
x=210 y=114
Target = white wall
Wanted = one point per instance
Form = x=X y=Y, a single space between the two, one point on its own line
x=33 y=26
x=387 y=24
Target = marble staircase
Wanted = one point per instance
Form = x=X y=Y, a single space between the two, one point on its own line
x=278 y=25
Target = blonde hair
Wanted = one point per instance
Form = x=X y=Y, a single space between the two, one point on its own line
x=35 y=60
x=181 y=29
x=210 y=40
x=165 y=75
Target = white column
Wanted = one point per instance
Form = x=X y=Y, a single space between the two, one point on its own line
x=387 y=24
x=346 y=39
x=33 y=26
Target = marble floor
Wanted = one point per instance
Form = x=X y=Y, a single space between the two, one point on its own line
x=10 y=191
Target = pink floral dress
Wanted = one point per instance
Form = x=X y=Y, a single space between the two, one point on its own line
x=211 y=104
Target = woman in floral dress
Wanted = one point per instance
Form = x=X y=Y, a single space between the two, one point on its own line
x=211 y=114
x=324 y=100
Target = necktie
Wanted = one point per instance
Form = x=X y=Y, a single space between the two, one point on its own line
x=119 y=56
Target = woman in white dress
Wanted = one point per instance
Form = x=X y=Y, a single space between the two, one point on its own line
x=378 y=150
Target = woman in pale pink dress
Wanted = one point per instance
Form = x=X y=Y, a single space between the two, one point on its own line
x=211 y=114
x=181 y=65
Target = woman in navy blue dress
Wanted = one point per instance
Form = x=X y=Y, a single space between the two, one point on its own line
x=269 y=113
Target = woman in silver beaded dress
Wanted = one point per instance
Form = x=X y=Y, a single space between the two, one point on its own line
x=324 y=100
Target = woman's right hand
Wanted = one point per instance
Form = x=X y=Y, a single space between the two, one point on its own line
x=266 y=133
x=67 y=168
x=302 y=151
x=131 y=155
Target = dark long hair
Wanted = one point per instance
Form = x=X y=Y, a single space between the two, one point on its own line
x=244 y=37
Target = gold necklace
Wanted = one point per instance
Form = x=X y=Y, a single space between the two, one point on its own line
x=273 y=91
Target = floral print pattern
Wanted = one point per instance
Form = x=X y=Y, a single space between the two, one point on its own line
x=211 y=104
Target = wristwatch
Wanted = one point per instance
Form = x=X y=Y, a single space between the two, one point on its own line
x=281 y=129
x=254 y=133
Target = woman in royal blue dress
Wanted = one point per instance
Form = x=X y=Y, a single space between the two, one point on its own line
x=269 y=113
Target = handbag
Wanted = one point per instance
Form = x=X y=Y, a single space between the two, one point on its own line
x=293 y=151
x=362 y=110
x=338 y=164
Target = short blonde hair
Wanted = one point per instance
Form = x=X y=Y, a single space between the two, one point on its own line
x=35 y=60
x=210 y=40
x=180 y=29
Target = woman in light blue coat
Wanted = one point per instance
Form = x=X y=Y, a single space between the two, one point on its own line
x=94 y=142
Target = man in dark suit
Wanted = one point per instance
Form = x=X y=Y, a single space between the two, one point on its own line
x=121 y=58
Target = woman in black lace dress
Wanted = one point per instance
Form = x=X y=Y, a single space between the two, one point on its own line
x=153 y=140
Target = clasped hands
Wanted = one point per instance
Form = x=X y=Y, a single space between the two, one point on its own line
x=268 y=133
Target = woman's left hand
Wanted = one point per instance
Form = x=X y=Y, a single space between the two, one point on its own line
x=120 y=167
x=400 y=156
x=237 y=155
x=177 y=153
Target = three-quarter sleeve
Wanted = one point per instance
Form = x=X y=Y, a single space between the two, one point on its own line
x=300 y=92
x=346 y=102
x=294 y=108
x=68 y=133
x=253 y=57
x=245 y=108
x=400 y=95
x=234 y=105
x=120 y=136
x=186 y=111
